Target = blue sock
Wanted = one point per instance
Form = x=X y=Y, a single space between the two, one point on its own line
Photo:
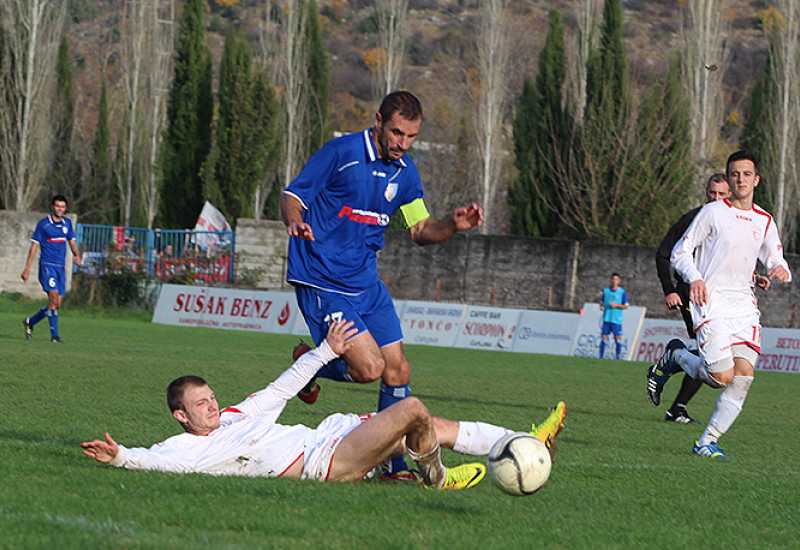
x=38 y=316
x=52 y=317
x=602 y=348
x=335 y=370
x=388 y=396
x=619 y=349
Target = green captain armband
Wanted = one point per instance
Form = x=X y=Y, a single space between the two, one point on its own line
x=414 y=212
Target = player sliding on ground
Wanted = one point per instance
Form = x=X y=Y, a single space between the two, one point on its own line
x=246 y=439
x=732 y=234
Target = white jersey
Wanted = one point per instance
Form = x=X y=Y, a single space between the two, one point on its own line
x=730 y=241
x=248 y=442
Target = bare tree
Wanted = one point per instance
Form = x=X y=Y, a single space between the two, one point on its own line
x=32 y=33
x=294 y=78
x=138 y=15
x=706 y=55
x=587 y=16
x=493 y=42
x=392 y=33
x=161 y=24
x=784 y=49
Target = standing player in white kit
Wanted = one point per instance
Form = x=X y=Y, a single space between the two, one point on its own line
x=732 y=234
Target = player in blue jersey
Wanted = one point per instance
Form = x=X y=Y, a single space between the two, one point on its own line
x=336 y=212
x=613 y=302
x=51 y=237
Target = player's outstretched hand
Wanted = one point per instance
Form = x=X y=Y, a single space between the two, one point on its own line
x=101 y=450
x=301 y=230
x=698 y=293
x=673 y=300
x=340 y=335
x=468 y=217
x=779 y=273
x=763 y=282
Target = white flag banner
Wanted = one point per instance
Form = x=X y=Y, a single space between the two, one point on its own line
x=210 y=219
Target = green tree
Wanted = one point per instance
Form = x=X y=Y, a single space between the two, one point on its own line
x=660 y=183
x=759 y=132
x=188 y=130
x=541 y=128
x=97 y=204
x=318 y=81
x=245 y=146
x=65 y=169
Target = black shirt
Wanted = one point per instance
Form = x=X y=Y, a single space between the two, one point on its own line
x=664 y=252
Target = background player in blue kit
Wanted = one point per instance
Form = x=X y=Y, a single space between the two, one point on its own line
x=51 y=236
x=614 y=301
x=336 y=212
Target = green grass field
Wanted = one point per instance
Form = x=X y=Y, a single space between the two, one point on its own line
x=623 y=478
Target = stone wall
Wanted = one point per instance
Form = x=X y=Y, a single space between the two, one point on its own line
x=16 y=229
x=507 y=271
x=261 y=248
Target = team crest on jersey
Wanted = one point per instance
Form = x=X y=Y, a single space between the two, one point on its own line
x=64 y=229
x=391 y=192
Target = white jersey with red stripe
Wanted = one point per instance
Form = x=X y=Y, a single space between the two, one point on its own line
x=728 y=241
x=249 y=441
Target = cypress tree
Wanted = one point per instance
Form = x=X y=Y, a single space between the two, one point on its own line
x=244 y=147
x=659 y=186
x=758 y=133
x=541 y=127
x=188 y=129
x=99 y=193
x=318 y=79
x=65 y=169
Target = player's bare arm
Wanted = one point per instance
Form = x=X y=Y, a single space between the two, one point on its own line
x=75 y=252
x=26 y=271
x=430 y=231
x=292 y=215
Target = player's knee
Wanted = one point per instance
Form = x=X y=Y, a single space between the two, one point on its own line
x=724 y=378
x=369 y=370
x=416 y=408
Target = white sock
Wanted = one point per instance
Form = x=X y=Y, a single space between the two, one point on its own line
x=476 y=438
x=695 y=367
x=728 y=407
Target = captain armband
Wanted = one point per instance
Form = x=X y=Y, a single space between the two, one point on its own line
x=414 y=212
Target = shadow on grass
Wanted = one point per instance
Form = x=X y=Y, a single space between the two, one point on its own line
x=12 y=436
x=452 y=399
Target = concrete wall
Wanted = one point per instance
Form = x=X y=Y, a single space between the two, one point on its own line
x=16 y=229
x=507 y=271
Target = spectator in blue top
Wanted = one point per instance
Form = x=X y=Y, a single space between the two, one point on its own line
x=336 y=212
x=52 y=235
x=613 y=302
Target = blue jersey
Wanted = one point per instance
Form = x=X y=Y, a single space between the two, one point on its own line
x=348 y=195
x=52 y=237
x=619 y=296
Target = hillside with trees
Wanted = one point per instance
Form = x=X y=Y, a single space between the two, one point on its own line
x=570 y=118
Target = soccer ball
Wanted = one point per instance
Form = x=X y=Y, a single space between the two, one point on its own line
x=519 y=463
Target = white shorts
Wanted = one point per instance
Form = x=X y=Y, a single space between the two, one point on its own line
x=321 y=445
x=721 y=340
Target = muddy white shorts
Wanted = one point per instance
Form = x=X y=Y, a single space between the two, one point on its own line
x=320 y=446
x=721 y=340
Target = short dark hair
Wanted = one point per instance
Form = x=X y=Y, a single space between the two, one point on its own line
x=402 y=102
x=178 y=386
x=615 y=274
x=717 y=177
x=741 y=154
x=58 y=198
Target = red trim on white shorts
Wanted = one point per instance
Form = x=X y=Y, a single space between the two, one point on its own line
x=290 y=465
x=330 y=464
x=750 y=345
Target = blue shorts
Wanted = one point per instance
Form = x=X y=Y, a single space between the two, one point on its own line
x=611 y=328
x=372 y=311
x=52 y=278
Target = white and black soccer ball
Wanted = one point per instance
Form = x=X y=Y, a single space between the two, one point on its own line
x=519 y=463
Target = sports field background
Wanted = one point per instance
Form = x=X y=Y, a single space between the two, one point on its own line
x=623 y=477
